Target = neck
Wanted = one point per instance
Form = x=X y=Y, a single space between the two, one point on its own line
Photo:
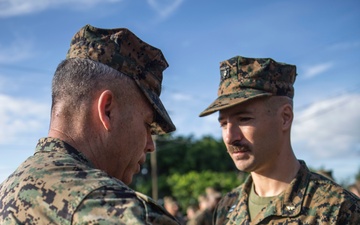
x=277 y=180
x=62 y=135
x=85 y=147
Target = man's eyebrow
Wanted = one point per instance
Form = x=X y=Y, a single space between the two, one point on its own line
x=237 y=113
x=154 y=116
x=220 y=118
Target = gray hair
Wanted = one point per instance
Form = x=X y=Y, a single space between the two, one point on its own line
x=76 y=80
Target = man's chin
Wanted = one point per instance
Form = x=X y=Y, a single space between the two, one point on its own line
x=127 y=181
x=242 y=167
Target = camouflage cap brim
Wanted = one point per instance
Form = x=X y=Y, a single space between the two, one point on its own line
x=227 y=101
x=162 y=123
x=243 y=78
x=122 y=50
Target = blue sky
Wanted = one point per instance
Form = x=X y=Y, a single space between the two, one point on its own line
x=321 y=37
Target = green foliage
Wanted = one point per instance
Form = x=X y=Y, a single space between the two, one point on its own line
x=187 y=187
x=184 y=154
x=186 y=166
x=357 y=176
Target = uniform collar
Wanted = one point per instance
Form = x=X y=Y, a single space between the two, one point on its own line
x=53 y=145
x=289 y=202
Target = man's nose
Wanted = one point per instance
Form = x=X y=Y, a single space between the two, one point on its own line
x=150 y=145
x=232 y=134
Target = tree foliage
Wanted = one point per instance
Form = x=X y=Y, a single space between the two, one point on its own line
x=357 y=176
x=186 y=166
x=189 y=186
x=184 y=154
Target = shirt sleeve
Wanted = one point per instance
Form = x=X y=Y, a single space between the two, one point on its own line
x=109 y=205
x=349 y=213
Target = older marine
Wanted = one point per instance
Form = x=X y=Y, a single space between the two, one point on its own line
x=105 y=107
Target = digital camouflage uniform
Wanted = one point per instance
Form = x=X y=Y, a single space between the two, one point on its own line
x=310 y=199
x=58 y=185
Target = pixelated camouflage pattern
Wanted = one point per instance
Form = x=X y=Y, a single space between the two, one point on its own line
x=58 y=185
x=310 y=199
x=244 y=78
x=122 y=50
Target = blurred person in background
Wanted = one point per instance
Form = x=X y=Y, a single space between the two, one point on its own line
x=355 y=188
x=191 y=211
x=172 y=206
x=207 y=205
x=213 y=195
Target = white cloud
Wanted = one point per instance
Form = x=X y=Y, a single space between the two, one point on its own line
x=187 y=122
x=330 y=128
x=20 y=117
x=164 y=7
x=2 y=82
x=209 y=126
x=345 y=46
x=326 y=135
x=184 y=109
x=10 y=8
x=181 y=97
x=315 y=70
x=16 y=51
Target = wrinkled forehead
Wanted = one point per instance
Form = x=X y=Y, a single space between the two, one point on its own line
x=250 y=106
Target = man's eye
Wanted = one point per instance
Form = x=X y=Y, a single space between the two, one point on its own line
x=244 y=119
x=223 y=124
x=149 y=125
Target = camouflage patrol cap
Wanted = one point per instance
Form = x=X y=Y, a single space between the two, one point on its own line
x=122 y=50
x=244 y=78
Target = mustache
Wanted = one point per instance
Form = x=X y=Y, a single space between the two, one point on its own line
x=238 y=147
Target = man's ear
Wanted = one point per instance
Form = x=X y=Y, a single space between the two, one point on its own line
x=287 y=116
x=105 y=108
